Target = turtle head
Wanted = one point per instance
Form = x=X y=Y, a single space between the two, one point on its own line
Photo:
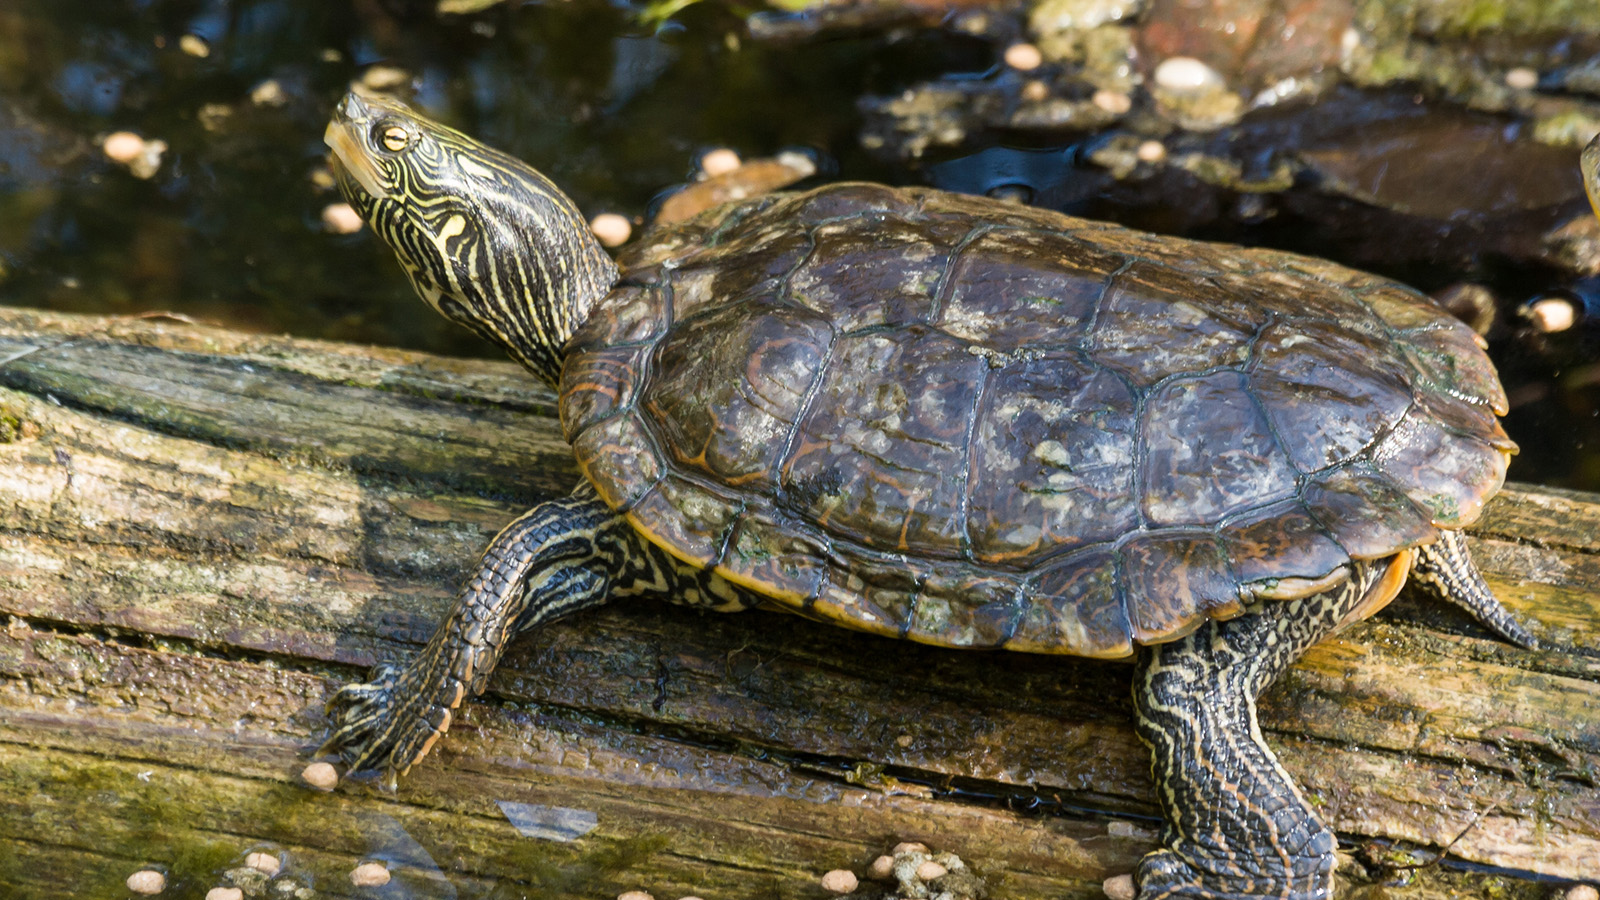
x=486 y=240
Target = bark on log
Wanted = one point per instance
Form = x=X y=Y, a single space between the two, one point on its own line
x=204 y=532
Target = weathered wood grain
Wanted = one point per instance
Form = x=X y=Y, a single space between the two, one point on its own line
x=203 y=532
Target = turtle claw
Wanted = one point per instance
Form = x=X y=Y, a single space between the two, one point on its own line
x=383 y=727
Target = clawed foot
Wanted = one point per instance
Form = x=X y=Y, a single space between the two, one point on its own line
x=1165 y=874
x=384 y=727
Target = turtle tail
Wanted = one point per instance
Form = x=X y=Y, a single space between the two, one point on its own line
x=1446 y=569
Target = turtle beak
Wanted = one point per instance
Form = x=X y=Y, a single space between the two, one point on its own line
x=344 y=137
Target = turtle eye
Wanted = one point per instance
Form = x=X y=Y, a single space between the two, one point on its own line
x=391 y=137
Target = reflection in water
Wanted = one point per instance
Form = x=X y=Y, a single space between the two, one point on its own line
x=549 y=823
x=413 y=872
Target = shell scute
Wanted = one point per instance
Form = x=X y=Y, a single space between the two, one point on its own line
x=966 y=210
x=850 y=200
x=729 y=386
x=1335 y=391
x=1280 y=544
x=620 y=459
x=888 y=468
x=1365 y=513
x=691 y=520
x=1052 y=464
x=887 y=276
x=777 y=558
x=1449 y=361
x=1155 y=322
x=1404 y=309
x=600 y=384
x=1449 y=475
x=635 y=313
x=1180 y=577
x=968 y=609
x=1012 y=288
x=1076 y=606
x=1209 y=452
x=876 y=600
x=754 y=265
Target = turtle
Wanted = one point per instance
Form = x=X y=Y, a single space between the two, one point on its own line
x=959 y=421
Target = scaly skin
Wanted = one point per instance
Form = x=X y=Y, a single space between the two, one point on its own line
x=1236 y=825
x=560 y=557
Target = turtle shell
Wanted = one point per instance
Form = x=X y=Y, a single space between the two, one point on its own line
x=976 y=424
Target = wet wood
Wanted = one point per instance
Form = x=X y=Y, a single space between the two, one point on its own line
x=204 y=532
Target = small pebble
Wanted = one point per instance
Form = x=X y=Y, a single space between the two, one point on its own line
x=213 y=116
x=1114 y=102
x=1024 y=57
x=269 y=93
x=224 y=893
x=719 y=162
x=122 y=146
x=1151 y=151
x=141 y=157
x=194 y=45
x=1350 y=41
x=1552 y=314
x=1119 y=887
x=840 y=881
x=613 y=230
x=147 y=881
x=321 y=775
x=339 y=218
x=384 y=78
x=370 y=874
x=1035 y=90
x=1582 y=892
x=635 y=895
x=882 y=868
x=1522 y=78
x=909 y=847
x=263 y=862
x=1185 y=73
x=930 y=870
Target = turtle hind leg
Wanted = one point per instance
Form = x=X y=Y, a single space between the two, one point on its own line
x=560 y=557
x=1236 y=826
x=1445 y=569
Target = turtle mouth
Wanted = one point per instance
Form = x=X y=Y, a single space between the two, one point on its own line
x=350 y=157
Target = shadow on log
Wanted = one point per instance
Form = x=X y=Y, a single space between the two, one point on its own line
x=205 y=532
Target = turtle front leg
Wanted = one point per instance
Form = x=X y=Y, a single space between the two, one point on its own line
x=560 y=557
x=1236 y=826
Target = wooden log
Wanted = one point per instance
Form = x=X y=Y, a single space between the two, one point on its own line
x=205 y=532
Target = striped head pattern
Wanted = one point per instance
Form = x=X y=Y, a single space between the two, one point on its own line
x=486 y=240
